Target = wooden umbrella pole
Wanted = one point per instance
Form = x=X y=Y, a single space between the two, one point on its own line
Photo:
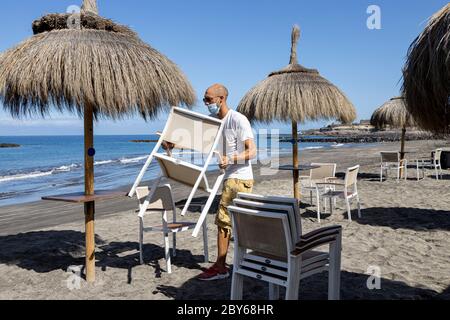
x=295 y=160
x=402 y=149
x=89 y=6
x=89 y=207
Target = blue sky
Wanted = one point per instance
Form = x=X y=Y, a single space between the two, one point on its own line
x=238 y=43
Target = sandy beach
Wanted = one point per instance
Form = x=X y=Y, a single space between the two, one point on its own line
x=404 y=231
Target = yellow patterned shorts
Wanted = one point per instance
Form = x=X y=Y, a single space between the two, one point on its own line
x=231 y=187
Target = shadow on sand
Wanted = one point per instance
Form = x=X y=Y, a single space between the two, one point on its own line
x=309 y=210
x=412 y=176
x=47 y=251
x=197 y=204
x=375 y=177
x=443 y=177
x=406 y=218
x=353 y=286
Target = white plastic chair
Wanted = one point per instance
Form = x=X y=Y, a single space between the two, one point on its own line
x=276 y=200
x=162 y=202
x=348 y=193
x=286 y=256
x=192 y=131
x=433 y=164
x=392 y=161
x=325 y=172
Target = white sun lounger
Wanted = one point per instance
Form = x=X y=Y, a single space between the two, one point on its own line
x=192 y=131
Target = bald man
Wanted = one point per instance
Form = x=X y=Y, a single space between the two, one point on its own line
x=237 y=148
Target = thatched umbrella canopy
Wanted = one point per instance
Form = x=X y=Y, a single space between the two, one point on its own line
x=395 y=114
x=296 y=94
x=83 y=59
x=427 y=74
x=94 y=67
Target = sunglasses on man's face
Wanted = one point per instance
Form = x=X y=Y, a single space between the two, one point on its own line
x=209 y=99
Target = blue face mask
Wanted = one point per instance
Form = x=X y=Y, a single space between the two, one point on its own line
x=214 y=109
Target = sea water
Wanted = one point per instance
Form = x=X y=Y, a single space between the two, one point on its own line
x=49 y=165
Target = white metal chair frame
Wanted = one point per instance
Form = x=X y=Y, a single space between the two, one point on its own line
x=392 y=161
x=300 y=264
x=349 y=192
x=163 y=202
x=180 y=119
x=433 y=164
x=325 y=173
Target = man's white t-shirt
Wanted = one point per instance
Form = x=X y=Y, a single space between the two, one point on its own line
x=237 y=130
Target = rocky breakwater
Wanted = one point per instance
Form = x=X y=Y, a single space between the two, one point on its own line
x=9 y=145
x=364 y=137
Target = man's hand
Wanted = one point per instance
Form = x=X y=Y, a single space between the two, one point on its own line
x=167 y=145
x=224 y=163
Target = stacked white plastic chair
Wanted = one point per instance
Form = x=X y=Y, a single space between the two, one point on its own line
x=269 y=246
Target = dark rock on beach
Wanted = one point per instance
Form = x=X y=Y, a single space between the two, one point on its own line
x=9 y=145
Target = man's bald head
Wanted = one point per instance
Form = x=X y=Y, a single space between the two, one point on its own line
x=216 y=100
x=217 y=90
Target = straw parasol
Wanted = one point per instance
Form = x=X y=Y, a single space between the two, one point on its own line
x=91 y=66
x=93 y=63
x=296 y=94
x=395 y=114
x=427 y=74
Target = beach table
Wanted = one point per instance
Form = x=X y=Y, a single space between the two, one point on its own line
x=299 y=168
x=89 y=211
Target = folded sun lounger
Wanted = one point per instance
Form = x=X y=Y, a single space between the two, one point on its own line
x=192 y=131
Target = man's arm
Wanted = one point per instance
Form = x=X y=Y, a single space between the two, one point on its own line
x=248 y=154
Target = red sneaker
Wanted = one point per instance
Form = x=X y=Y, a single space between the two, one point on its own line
x=213 y=273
